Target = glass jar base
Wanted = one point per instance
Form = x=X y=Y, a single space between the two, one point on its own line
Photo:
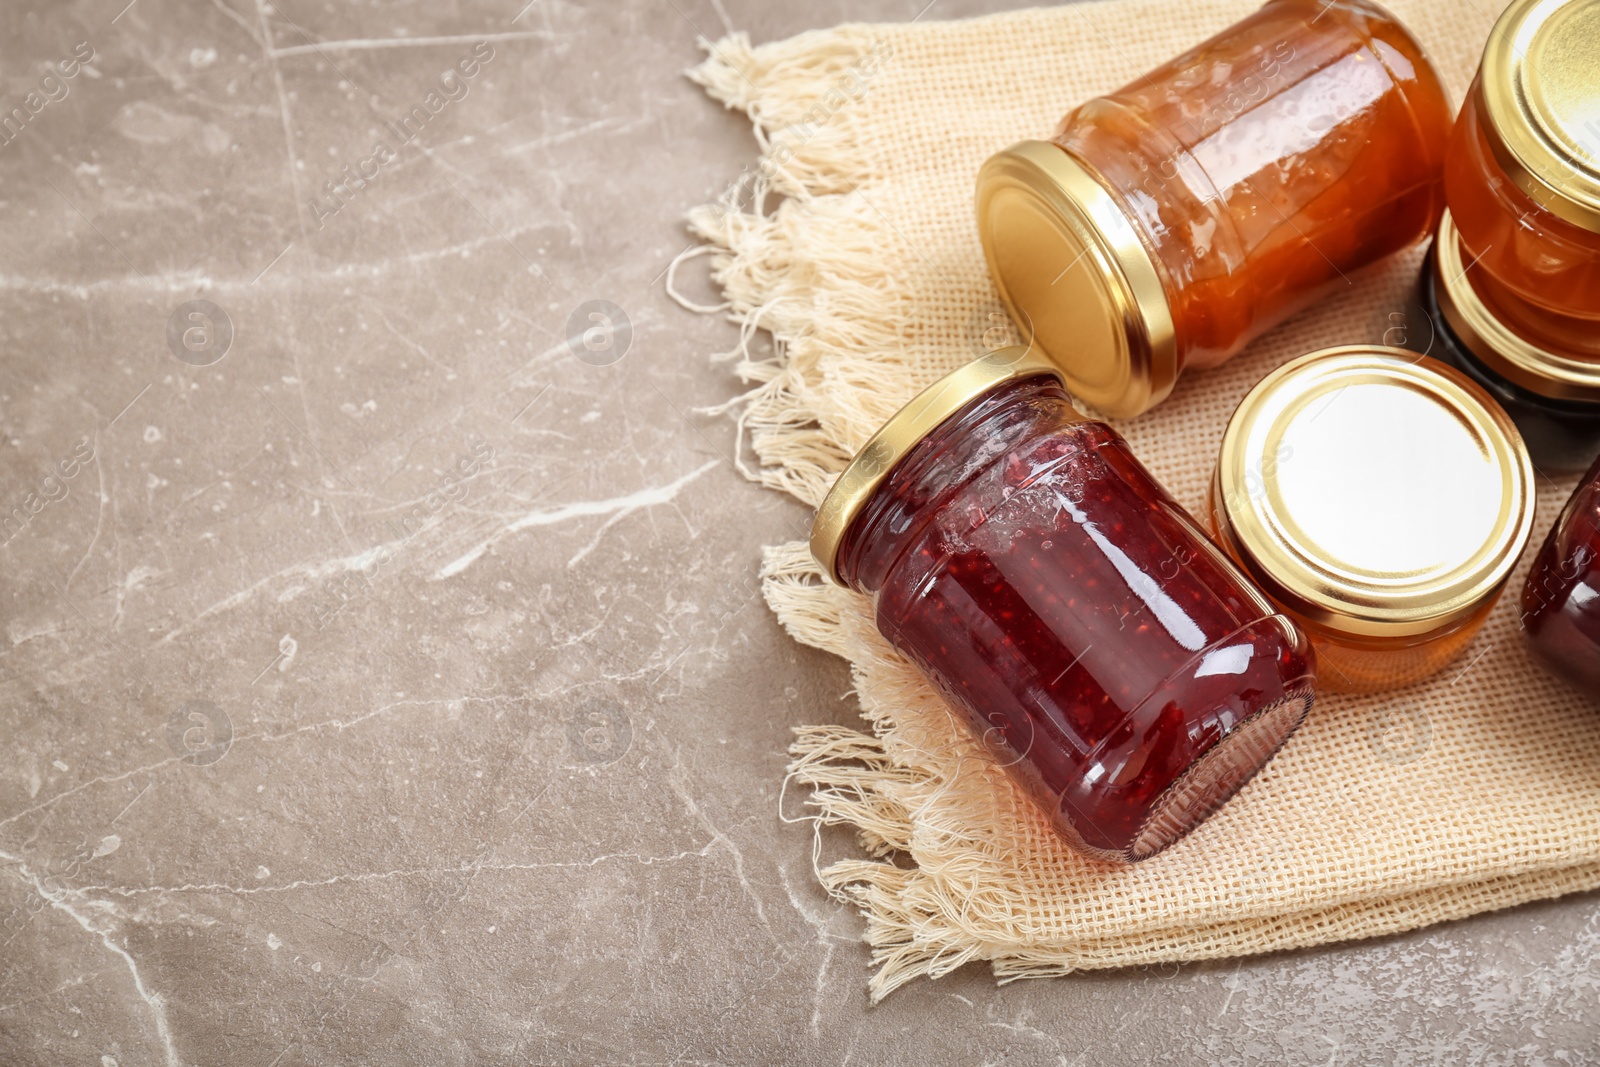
x=1219 y=774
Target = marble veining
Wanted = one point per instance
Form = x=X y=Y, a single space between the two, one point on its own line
x=388 y=681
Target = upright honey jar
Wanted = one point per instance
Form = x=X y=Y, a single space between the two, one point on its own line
x=1379 y=498
x=1515 y=272
x=1173 y=221
x=1070 y=612
x=1561 y=601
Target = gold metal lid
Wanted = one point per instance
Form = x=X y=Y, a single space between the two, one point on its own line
x=1076 y=278
x=1534 y=368
x=1541 y=103
x=1374 y=492
x=926 y=411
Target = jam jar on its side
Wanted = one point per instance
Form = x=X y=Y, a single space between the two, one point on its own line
x=1073 y=614
x=1561 y=602
x=1380 y=499
x=1173 y=221
x=1514 y=279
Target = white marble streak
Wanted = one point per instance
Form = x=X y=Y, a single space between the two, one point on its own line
x=311 y=571
x=58 y=901
x=470 y=869
x=369 y=43
x=614 y=507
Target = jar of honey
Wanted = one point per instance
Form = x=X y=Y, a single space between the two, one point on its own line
x=1515 y=272
x=1381 y=499
x=1561 y=602
x=1173 y=221
x=1065 y=606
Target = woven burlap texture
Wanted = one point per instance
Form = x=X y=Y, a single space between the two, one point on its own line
x=853 y=243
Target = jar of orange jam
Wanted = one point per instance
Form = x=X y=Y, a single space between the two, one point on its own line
x=1516 y=269
x=1381 y=500
x=1173 y=221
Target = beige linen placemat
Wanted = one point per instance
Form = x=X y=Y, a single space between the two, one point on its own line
x=853 y=243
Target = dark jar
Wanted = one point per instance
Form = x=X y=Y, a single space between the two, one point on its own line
x=1554 y=398
x=1173 y=221
x=1115 y=662
x=1561 y=602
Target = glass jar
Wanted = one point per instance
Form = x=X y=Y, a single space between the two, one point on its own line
x=1170 y=223
x=1522 y=173
x=1381 y=499
x=1554 y=398
x=1561 y=602
x=1071 y=612
x=1515 y=273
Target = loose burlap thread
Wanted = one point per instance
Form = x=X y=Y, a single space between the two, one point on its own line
x=853 y=243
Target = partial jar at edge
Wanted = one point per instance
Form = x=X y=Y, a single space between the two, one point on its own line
x=1074 y=616
x=1561 y=601
x=1380 y=499
x=1170 y=223
x=1514 y=279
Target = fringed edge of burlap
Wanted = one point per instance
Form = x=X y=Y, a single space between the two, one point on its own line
x=797 y=253
x=809 y=273
x=879 y=784
x=807 y=270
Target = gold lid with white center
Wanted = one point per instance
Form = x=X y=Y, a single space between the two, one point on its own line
x=1374 y=492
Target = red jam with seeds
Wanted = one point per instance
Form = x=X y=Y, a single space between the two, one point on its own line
x=1561 y=602
x=1115 y=662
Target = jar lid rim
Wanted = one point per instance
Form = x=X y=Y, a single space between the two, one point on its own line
x=923 y=414
x=1076 y=277
x=1537 y=88
x=1314 y=511
x=1521 y=362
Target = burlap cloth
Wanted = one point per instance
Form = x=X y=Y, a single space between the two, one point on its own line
x=853 y=243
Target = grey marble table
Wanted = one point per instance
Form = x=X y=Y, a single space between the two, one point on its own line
x=383 y=683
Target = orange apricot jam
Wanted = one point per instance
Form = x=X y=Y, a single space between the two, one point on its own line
x=1537 y=271
x=1381 y=500
x=1173 y=221
x=1522 y=177
x=1373 y=664
x=1513 y=283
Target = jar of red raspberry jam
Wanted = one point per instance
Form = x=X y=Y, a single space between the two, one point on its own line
x=1073 y=614
x=1173 y=221
x=1381 y=499
x=1515 y=273
x=1561 y=602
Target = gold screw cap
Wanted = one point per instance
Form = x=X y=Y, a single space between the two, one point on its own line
x=1540 y=85
x=1076 y=278
x=1374 y=492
